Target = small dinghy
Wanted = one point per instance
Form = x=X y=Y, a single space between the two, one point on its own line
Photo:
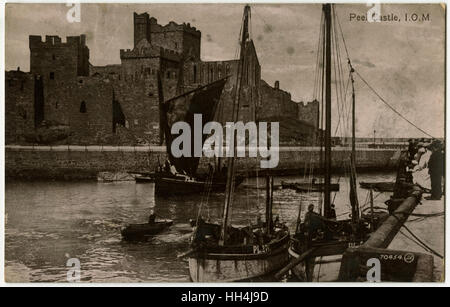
x=144 y=179
x=139 y=232
x=305 y=187
x=378 y=186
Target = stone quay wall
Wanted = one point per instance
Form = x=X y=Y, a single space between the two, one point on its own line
x=84 y=162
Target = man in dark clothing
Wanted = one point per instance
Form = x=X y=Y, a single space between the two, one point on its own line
x=332 y=213
x=313 y=222
x=152 y=218
x=412 y=148
x=436 y=170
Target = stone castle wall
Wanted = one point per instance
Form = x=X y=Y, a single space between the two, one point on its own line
x=19 y=107
x=309 y=112
x=63 y=89
x=79 y=162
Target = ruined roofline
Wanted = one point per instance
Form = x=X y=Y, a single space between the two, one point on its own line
x=170 y=27
x=152 y=51
x=14 y=74
x=276 y=88
x=35 y=41
x=213 y=61
x=173 y=27
x=306 y=104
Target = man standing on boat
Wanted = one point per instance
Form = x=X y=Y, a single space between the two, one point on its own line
x=313 y=222
x=152 y=218
x=436 y=170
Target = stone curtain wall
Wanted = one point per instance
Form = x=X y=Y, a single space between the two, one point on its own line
x=84 y=162
x=19 y=105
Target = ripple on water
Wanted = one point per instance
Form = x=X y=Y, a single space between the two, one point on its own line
x=51 y=221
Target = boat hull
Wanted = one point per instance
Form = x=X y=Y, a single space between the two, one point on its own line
x=174 y=186
x=305 y=187
x=136 y=232
x=144 y=179
x=238 y=267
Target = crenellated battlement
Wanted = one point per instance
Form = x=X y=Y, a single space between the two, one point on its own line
x=54 y=41
x=172 y=27
x=150 y=52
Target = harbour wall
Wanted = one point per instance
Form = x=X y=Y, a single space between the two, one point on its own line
x=84 y=162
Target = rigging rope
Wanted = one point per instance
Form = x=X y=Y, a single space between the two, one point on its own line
x=375 y=92
x=391 y=107
x=424 y=245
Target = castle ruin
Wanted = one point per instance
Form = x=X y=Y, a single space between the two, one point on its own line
x=64 y=99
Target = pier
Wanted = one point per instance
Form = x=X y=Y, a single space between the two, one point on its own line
x=405 y=244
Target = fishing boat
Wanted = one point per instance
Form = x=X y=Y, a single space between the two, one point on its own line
x=139 y=232
x=164 y=185
x=387 y=186
x=305 y=187
x=379 y=186
x=148 y=177
x=179 y=175
x=321 y=234
x=223 y=253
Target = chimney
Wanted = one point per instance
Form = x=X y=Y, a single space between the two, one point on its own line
x=277 y=85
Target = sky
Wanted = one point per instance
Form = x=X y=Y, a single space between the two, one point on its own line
x=402 y=60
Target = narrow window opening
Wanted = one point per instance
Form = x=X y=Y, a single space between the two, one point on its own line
x=195 y=73
x=83 y=108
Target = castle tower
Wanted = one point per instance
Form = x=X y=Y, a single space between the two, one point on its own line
x=56 y=65
x=141 y=27
x=181 y=38
x=57 y=60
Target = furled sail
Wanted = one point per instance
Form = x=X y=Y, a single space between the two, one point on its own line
x=202 y=100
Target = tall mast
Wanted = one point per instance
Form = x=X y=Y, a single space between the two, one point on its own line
x=353 y=194
x=269 y=203
x=235 y=111
x=327 y=196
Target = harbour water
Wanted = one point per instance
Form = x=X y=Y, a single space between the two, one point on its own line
x=49 y=222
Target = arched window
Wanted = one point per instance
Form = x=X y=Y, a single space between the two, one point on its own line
x=83 y=108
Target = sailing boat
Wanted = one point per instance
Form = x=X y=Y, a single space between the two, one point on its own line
x=323 y=235
x=223 y=253
x=179 y=174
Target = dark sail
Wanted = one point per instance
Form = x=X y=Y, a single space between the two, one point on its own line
x=204 y=101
